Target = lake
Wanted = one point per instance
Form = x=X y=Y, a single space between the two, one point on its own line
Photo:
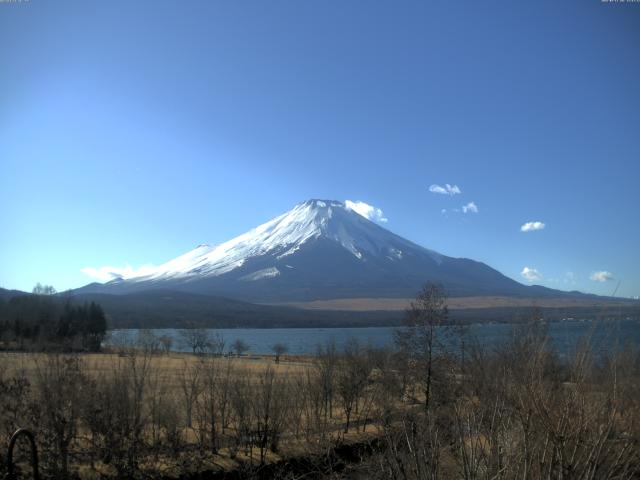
x=605 y=335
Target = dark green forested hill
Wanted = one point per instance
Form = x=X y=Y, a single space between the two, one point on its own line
x=171 y=309
x=39 y=321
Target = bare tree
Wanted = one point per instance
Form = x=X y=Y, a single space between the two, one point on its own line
x=216 y=344
x=170 y=423
x=352 y=374
x=412 y=449
x=212 y=404
x=15 y=411
x=311 y=394
x=240 y=394
x=120 y=341
x=116 y=414
x=148 y=341
x=268 y=407
x=326 y=363
x=223 y=395
x=40 y=289
x=58 y=385
x=196 y=339
x=422 y=337
x=239 y=346
x=279 y=349
x=14 y=389
x=190 y=386
x=166 y=341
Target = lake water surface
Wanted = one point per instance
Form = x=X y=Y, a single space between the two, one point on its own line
x=605 y=335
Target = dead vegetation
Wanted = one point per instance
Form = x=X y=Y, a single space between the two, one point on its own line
x=516 y=411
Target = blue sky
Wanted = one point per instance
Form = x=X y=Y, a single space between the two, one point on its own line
x=131 y=131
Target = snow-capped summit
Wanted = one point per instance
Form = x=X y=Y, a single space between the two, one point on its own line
x=318 y=249
x=285 y=235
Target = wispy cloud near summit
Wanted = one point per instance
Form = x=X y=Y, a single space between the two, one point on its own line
x=531 y=274
x=108 y=273
x=367 y=211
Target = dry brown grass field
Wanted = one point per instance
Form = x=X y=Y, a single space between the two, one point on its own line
x=515 y=411
x=456 y=303
x=180 y=379
x=171 y=365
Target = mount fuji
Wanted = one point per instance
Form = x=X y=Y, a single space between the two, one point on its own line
x=319 y=250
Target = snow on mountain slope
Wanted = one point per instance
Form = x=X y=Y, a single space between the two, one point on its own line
x=283 y=236
x=320 y=249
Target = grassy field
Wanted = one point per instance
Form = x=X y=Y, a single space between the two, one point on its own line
x=171 y=365
x=460 y=303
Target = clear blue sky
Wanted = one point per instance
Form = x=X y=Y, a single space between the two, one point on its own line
x=131 y=131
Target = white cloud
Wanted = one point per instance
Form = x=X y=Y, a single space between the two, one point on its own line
x=570 y=277
x=601 y=276
x=107 y=273
x=470 y=207
x=445 y=190
x=366 y=210
x=532 y=226
x=531 y=274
